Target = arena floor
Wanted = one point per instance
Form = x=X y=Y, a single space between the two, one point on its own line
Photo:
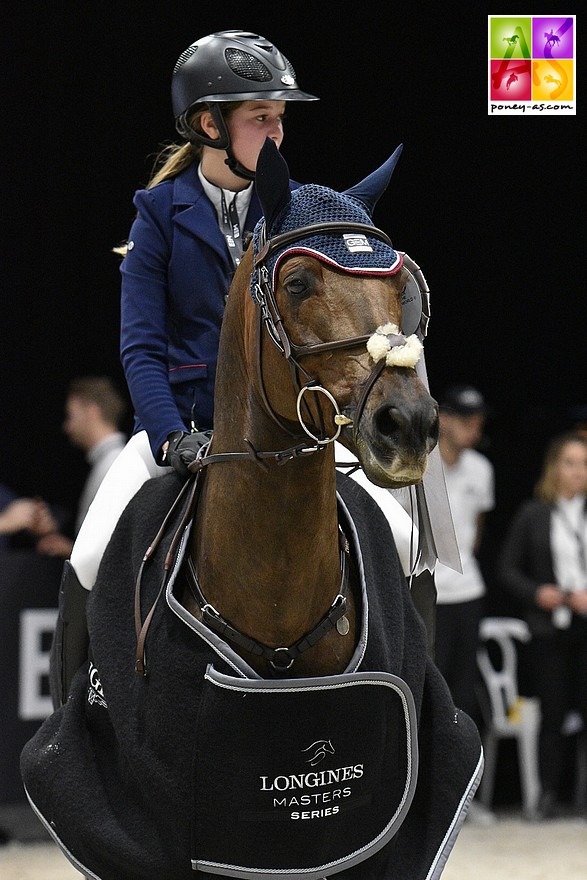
x=512 y=847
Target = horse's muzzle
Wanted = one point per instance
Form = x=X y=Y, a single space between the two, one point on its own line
x=394 y=440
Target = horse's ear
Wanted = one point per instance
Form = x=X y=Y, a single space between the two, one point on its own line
x=272 y=181
x=370 y=190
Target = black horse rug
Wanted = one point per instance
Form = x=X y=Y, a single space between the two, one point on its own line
x=204 y=768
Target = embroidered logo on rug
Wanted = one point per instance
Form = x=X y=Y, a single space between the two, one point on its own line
x=95 y=692
x=299 y=789
x=324 y=797
x=318 y=751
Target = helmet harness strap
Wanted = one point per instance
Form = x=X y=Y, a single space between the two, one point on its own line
x=221 y=143
x=224 y=144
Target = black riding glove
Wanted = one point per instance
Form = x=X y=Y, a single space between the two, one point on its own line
x=183 y=449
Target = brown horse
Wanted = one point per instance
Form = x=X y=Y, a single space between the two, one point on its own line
x=286 y=714
x=266 y=543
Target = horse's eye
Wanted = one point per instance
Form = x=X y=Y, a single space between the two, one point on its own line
x=297 y=285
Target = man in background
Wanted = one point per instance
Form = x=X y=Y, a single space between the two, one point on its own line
x=94 y=410
x=460 y=597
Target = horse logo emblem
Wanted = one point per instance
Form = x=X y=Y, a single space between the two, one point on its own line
x=551 y=79
x=318 y=751
x=551 y=38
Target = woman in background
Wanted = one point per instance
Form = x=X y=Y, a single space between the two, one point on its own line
x=544 y=564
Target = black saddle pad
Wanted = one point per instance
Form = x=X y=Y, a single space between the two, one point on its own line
x=324 y=779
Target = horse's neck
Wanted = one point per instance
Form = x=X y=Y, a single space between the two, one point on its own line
x=266 y=543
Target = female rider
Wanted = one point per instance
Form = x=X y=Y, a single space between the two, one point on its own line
x=229 y=92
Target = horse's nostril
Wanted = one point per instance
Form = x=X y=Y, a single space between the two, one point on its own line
x=389 y=421
x=394 y=422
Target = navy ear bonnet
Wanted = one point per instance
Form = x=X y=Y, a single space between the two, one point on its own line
x=352 y=252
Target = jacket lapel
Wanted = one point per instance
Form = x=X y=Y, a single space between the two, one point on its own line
x=194 y=212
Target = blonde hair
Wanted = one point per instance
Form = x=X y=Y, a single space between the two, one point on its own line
x=546 y=488
x=172 y=159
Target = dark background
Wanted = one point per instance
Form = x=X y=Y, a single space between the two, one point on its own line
x=487 y=206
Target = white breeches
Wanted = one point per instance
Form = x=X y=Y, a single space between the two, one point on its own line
x=133 y=467
x=404 y=531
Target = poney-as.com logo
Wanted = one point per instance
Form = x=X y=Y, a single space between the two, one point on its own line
x=531 y=65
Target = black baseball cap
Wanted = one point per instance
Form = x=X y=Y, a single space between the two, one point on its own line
x=463 y=400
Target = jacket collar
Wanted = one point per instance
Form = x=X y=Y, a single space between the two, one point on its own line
x=194 y=211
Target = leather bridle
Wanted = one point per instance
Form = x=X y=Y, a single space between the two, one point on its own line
x=270 y=317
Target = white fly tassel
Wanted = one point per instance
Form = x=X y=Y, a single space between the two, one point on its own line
x=405 y=352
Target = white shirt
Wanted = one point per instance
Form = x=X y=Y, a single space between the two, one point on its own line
x=568 y=531
x=100 y=457
x=215 y=193
x=405 y=533
x=470 y=487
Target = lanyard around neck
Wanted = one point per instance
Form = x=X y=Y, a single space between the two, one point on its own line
x=231 y=230
x=579 y=537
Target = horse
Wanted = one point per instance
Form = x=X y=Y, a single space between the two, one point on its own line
x=278 y=714
x=551 y=38
x=551 y=79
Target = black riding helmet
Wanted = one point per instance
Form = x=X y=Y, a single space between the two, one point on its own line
x=229 y=66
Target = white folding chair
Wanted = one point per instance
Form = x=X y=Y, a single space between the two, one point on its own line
x=506 y=713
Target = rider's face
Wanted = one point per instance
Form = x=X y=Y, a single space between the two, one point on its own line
x=250 y=124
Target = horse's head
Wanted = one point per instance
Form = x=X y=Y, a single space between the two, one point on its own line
x=330 y=288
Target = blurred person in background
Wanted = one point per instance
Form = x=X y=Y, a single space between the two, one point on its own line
x=94 y=410
x=30 y=515
x=543 y=563
x=460 y=597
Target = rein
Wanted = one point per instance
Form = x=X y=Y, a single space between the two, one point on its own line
x=188 y=490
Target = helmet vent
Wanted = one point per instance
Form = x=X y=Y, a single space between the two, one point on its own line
x=247 y=66
x=185 y=56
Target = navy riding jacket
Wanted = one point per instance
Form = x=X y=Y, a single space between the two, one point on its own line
x=175 y=278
